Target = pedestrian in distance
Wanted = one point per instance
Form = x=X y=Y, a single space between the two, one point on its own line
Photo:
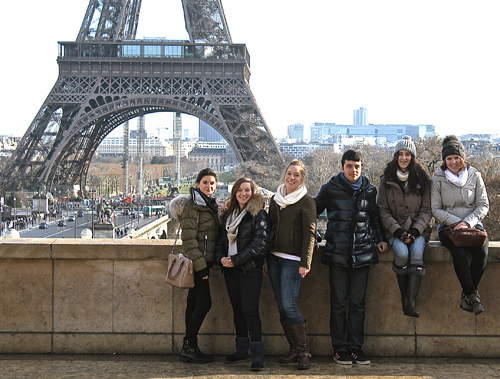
x=241 y=247
x=293 y=233
x=459 y=198
x=404 y=201
x=197 y=214
x=354 y=235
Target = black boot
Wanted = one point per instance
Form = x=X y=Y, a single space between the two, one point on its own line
x=292 y=355
x=402 y=276
x=257 y=354
x=416 y=273
x=241 y=355
x=300 y=338
x=191 y=352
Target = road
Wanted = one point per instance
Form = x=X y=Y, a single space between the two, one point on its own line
x=73 y=229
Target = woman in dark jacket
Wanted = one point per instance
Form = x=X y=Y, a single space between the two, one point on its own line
x=241 y=246
x=404 y=201
x=293 y=233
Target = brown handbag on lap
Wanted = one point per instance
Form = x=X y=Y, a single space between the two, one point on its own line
x=180 y=271
x=467 y=237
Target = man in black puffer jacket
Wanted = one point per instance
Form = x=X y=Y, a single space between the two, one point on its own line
x=353 y=236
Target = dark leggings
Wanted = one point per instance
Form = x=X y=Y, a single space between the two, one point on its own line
x=243 y=289
x=199 y=303
x=468 y=275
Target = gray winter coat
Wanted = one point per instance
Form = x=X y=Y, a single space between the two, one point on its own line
x=451 y=204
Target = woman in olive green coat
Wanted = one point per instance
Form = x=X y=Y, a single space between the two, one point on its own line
x=197 y=214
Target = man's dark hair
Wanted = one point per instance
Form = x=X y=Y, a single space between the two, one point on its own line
x=351 y=155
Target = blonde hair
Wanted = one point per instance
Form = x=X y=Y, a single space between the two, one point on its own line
x=300 y=165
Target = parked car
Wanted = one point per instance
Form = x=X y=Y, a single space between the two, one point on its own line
x=71 y=218
x=80 y=213
x=43 y=225
x=61 y=223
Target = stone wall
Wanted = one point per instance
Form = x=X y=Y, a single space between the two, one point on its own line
x=77 y=296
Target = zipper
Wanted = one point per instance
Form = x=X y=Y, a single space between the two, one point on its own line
x=205 y=249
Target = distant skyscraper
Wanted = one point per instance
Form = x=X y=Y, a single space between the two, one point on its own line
x=208 y=134
x=360 y=116
x=296 y=131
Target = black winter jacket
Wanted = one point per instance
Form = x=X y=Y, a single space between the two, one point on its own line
x=354 y=228
x=252 y=239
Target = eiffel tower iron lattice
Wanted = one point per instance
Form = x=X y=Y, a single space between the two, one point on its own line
x=107 y=77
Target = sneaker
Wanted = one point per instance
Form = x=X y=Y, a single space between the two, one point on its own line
x=342 y=358
x=359 y=357
x=475 y=302
x=464 y=303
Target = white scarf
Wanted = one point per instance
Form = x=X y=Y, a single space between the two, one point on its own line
x=459 y=180
x=232 y=223
x=283 y=200
x=403 y=176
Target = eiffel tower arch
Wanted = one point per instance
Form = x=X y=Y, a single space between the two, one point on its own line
x=107 y=77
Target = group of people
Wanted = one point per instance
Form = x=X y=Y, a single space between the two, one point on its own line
x=250 y=243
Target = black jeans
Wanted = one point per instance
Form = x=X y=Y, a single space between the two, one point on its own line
x=347 y=291
x=199 y=303
x=243 y=289
x=469 y=276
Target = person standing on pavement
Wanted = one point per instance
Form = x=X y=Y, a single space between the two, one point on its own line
x=354 y=234
x=293 y=233
x=404 y=201
x=241 y=247
x=197 y=214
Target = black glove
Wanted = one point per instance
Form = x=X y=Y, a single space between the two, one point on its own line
x=202 y=273
x=414 y=234
x=401 y=234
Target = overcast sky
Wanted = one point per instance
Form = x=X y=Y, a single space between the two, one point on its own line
x=410 y=62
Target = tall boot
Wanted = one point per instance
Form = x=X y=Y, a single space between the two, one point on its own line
x=257 y=354
x=191 y=352
x=300 y=338
x=241 y=355
x=416 y=273
x=402 y=276
x=292 y=355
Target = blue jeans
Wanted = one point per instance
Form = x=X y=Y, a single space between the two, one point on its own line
x=285 y=280
x=347 y=306
x=408 y=254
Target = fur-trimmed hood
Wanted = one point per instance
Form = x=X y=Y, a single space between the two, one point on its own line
x=254 y=205
x=177 y=205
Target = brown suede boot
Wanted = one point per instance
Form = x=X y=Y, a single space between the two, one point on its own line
x=300 y=338
x=292 y=355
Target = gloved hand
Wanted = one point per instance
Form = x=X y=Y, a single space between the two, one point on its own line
x=401 y=234
x=414 y=234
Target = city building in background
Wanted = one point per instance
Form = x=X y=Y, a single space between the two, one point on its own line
x=208 y=134
x=360 y=116
x=296 y=131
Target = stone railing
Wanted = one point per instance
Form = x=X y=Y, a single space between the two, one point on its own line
x=109 y=296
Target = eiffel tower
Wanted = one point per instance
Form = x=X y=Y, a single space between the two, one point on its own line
x=107 y=77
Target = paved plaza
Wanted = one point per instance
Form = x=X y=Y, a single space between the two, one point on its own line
x=156 y=366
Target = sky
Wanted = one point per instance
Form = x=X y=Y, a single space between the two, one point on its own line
x=408 y=62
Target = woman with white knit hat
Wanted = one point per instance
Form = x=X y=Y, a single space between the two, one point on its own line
x=405 y=211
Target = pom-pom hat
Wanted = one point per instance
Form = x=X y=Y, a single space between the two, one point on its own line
x=452 y=146
x=406 y=144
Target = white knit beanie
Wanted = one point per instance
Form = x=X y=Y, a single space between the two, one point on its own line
x=406 y=144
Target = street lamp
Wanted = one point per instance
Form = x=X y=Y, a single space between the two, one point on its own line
x=15 y=212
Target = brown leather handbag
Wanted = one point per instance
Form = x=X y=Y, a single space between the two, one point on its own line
x=180 y=270
x=467 y=237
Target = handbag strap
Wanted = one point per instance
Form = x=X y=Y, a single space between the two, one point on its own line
x=176 y=237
